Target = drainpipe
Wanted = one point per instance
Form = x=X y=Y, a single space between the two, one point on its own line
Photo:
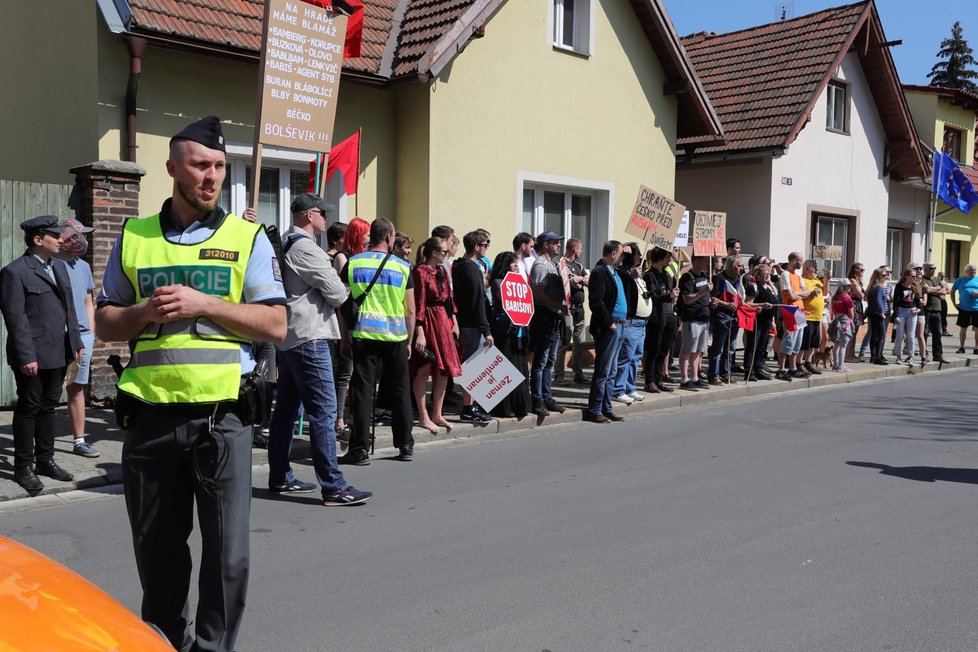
x=136 y=46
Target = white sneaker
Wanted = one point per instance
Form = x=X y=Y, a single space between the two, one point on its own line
x=637 y=395
x=624 y=398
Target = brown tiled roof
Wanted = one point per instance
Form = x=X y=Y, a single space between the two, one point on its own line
x=236 y=26
x=763 y=81
x=405 y=38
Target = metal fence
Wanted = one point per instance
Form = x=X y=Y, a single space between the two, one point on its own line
x=20 y=200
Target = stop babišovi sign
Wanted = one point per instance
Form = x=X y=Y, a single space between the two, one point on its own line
x=517 y=299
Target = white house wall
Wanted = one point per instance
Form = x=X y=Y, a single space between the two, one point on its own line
x=909 y=208
x=834 y=171
x=739 y=188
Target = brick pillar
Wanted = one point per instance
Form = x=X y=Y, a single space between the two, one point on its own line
x=106 y=193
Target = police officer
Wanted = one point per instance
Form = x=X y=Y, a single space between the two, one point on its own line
x=381 y=334
x=191 y=287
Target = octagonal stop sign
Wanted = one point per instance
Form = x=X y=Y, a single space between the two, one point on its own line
x=517 y=299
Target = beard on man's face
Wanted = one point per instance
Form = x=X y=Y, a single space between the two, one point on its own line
x=193 y=199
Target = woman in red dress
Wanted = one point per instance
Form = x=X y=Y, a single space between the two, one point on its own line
x=436 y=330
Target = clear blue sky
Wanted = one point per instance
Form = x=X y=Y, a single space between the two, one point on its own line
x=921 y=25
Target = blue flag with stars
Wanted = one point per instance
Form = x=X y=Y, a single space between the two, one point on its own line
x=951 y=185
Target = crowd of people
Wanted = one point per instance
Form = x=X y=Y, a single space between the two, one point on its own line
x=224 y=318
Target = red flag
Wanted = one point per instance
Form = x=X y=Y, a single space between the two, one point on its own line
x=354 y=25
x=345 y=157
x=746 y=315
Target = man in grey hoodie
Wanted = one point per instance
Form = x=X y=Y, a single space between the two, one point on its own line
x=314 y=292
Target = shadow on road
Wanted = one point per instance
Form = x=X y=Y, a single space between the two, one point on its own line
x=923 y=473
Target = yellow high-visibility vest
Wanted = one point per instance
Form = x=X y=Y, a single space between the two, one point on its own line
x=382 y=313
x=188 y=360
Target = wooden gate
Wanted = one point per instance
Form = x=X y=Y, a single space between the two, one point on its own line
x=21 y=200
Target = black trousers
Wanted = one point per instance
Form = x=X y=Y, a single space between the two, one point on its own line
x=877 y=335
x=170 y=459
x=935 y=325
x=33 y=422
x=395 y=380
x=755 y=345
x=658 y=344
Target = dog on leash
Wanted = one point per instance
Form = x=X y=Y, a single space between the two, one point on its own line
x=823 y=357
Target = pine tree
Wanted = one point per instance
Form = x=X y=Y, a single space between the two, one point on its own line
x=955 y=69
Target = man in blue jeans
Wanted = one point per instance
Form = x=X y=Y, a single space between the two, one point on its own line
x=314 y=292
x=549 y=309
x=608 y=311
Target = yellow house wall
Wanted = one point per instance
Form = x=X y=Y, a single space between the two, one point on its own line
x=48 y=78
x=510 y=102
x=177 y=88
x=959 y=118
x=930 y=115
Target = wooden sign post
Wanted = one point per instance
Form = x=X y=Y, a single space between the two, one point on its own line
x=709 y=233
x=655 y=219
x=301 y=60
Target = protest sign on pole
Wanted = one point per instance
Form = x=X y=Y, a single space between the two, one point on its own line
x=709 y=233
x=655 y=219
x=826 y=252
x=682 y=235
x=489 y=377
x=517 y=299
x=301 y=60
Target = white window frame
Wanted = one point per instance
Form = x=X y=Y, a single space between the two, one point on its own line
x=239 y=158
x=583 y=17
x=831 y=89
x=602 y=194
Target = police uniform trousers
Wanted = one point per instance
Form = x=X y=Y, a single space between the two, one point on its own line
x=395 y=380
x=170 y=459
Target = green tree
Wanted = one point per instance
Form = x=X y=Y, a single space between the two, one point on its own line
x=955 y=67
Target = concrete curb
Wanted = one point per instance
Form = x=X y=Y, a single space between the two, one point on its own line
x=104 y=475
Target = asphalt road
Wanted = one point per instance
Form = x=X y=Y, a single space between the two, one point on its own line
x=836 y=519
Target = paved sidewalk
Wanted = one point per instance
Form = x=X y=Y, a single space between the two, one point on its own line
x=96 y=474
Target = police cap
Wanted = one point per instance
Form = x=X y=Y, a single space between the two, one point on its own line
x=206 y=131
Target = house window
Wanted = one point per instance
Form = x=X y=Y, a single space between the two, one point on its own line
x=952 y=259
x=282 y=179
x=837 y=107
x=572 y=25
x=952 y=143
x=832 y=230
x=570 y=212
x=894 y=249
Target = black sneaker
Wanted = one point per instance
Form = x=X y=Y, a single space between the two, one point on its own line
x=406 y=453
x=554 y=406
x=471 y=415
x=701 y=384
x=689 y=386
x=540 y=409
x=960 y=350
x=783 y=375
x=798 y=373
x=294 y=487
x=348 y=496
x=356 y=458
x=812 y=370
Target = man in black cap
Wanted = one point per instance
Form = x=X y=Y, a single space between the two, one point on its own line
x=314 y=292
x=549 y=308
x=192 y=287
x=42 y=338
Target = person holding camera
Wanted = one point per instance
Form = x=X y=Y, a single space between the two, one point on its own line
x=435 y=332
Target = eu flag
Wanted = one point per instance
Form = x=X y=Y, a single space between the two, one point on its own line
x=951 y=185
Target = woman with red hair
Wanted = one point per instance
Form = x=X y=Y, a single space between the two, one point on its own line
x=354 y=242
